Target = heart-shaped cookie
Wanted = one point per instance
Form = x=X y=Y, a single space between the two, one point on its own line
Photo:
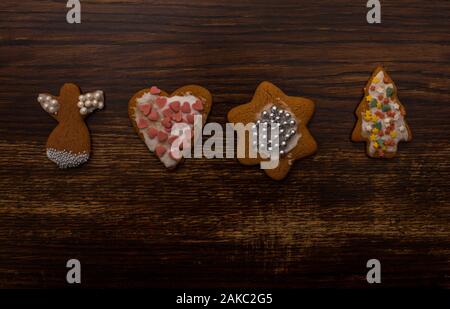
x=157 y=116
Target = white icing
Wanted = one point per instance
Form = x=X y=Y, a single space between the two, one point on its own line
x=148 y=98
x=398 y=119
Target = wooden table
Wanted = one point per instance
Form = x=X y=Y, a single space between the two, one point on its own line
x=216 y=223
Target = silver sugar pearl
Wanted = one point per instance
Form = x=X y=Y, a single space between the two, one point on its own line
x=83 y=111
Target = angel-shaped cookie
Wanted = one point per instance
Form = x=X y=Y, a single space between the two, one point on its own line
x=271 y=109
x=69 y=144
x=381 y=117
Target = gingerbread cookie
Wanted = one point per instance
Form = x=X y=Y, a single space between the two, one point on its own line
x=381 y=117
x=156 y=115
x=69 y=143
x=271 y=108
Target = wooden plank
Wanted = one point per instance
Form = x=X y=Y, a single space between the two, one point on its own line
x=217 y=223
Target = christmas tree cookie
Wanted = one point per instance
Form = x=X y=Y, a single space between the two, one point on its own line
x=381 y=117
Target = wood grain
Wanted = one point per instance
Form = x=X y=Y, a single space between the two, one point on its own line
x=217 y=223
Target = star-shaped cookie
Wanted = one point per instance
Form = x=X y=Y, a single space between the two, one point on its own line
x=272 y=107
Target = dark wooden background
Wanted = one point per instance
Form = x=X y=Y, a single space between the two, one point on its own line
x=216 y=223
